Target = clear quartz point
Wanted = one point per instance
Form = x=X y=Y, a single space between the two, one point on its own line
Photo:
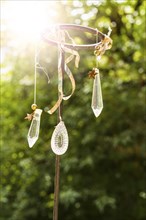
x=33 y=132
x=59 y=140
x=97 y=102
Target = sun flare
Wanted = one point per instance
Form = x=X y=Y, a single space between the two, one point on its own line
x=27 y=19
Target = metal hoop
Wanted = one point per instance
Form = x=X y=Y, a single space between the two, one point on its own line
x=102 y=37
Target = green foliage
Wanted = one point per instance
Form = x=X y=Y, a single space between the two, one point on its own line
x=103 y=172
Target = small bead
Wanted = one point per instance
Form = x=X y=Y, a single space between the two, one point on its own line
x=33 y=106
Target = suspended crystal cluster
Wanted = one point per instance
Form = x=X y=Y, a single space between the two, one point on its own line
x=33 y=132
x=59 y=140
x=97 y=102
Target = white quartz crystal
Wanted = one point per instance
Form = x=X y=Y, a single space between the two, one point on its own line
x=59 y=140
x=33 y=132
x=97 y=102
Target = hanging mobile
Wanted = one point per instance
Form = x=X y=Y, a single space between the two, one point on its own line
x=59 y=140
x=56 y=36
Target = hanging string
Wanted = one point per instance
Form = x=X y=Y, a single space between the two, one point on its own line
x=60 y=93
x=35 y=73
x=97 y=57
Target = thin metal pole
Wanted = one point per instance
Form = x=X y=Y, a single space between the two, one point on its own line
x=58 y=157
x=56 y=187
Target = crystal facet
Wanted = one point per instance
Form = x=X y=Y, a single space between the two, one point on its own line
x=97 y=103
x=33 y=132
x=59 y=140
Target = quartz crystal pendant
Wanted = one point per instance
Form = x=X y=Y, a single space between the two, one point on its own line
x=33 y=132
x=97 y=103
x=59 y=140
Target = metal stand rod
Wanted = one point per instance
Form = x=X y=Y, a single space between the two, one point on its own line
x=56 y=187
x=58 y=157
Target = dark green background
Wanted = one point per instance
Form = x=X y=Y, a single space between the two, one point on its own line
x=103 y=173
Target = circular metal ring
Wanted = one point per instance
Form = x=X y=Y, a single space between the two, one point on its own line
x=80 y=28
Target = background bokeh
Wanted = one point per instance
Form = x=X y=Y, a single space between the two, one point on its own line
x=103 y=173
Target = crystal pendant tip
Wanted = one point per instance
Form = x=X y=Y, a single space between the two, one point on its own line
x=31 y=141
x=97 y=111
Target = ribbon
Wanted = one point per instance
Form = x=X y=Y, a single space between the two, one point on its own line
x=74 y=53
x=104 y=45
x=68 y=71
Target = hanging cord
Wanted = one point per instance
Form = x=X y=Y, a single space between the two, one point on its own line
x=35 y=73
x=97 y=57
x=60 y=79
